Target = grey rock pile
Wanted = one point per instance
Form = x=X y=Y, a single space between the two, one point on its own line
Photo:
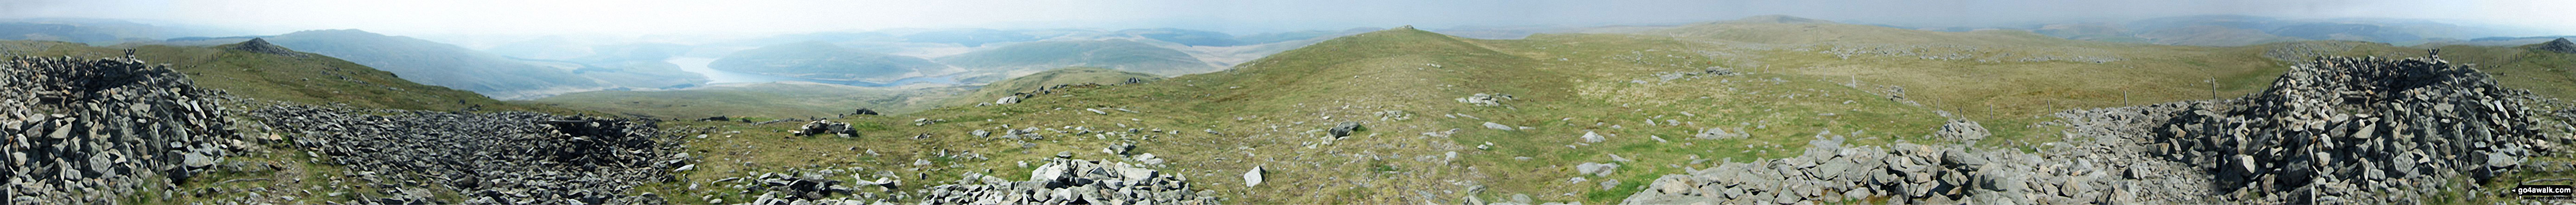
x=808 y=186
x=2561 y=46
x=1962 y=131
x=814 y=187
x=2365 y=130
x=1071 y=181
x=820 y=127
x=487 y=158
x=90 y=131
x=1907 y=173
x=2335 y=130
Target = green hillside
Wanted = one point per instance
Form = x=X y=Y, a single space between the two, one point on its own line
x=1113 y=54
x=1400 y=84
x=1060 y=76
x=440 y=64
x=300 y=77
x=819 y=60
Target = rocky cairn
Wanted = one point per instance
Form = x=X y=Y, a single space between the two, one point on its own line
x=261 y=45
x=2561 y=46
x=2357 y=129
x=90 y=131
x=2332 y=130
x=1072 y=181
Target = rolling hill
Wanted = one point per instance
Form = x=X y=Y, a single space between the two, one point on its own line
x=440 y=64
x=2242 y=30
x=968 y=37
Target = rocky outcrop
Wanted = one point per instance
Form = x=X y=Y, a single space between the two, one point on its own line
x=2561 y=46
x=1071 y=181
x=486 y=158
x=90 y=131
x=2333 y=130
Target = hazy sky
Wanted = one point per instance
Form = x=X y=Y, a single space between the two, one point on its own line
x=450 y=17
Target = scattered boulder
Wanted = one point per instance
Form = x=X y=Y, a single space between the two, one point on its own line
x=1498 y=126
x=819 y=127
x=1252 y=178
x=1596 y=169
x=1344 y=129
x=1007 y=100
x=863 y=111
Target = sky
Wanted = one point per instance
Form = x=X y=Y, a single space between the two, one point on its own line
x=646 y=17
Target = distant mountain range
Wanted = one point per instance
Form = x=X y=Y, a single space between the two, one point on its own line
x=1117 y=54
x=2238 y=30
x=94 y=31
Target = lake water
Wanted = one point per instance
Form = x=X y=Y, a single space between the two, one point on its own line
x=699 y=65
